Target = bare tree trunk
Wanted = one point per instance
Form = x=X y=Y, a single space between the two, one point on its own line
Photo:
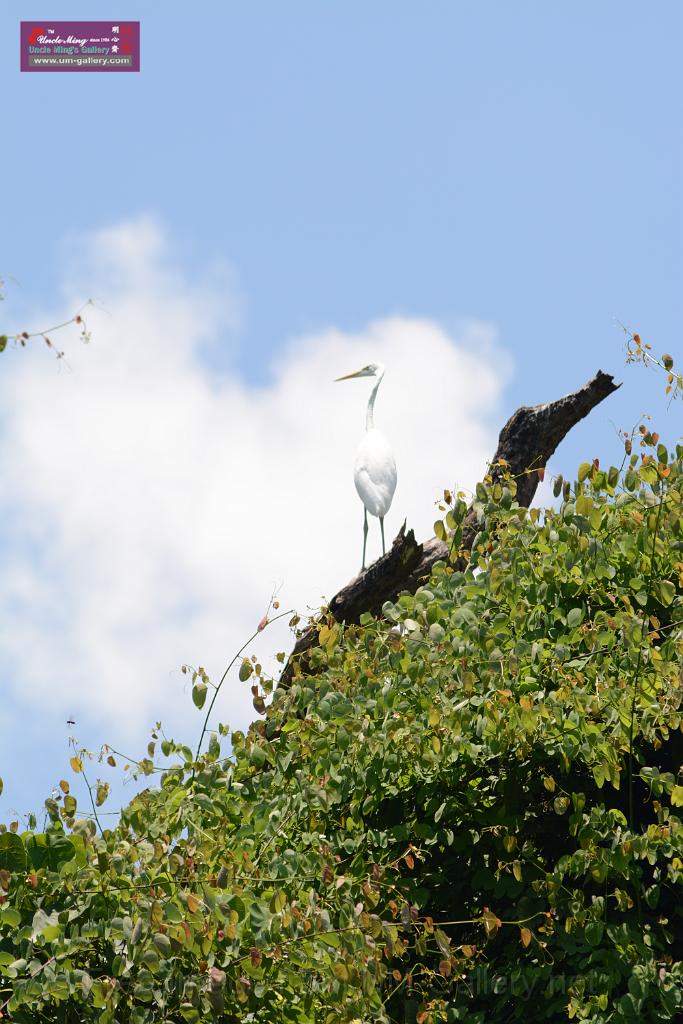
x=525 y=444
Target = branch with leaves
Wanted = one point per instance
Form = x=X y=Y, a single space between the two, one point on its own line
x=639 y=351
x=22 y=338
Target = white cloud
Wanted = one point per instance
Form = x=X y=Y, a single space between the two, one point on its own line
x=151 y=503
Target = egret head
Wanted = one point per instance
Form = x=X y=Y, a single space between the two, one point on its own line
x=371 y=370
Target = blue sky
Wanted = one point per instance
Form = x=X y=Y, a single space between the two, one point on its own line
x=335 y=164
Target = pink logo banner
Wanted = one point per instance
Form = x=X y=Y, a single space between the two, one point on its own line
x=80 y=46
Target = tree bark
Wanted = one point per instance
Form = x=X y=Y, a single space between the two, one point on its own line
x=525 y=444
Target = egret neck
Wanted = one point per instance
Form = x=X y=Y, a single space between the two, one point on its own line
x=369 y=416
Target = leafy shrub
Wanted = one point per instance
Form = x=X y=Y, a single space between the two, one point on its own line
x=465 y=811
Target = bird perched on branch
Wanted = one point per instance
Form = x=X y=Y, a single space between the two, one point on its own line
x=375 y=469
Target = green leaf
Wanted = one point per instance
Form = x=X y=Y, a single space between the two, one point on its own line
x=11 y=917
x=12 y=852
x=442 y=941
x=50 y=850
x=574 y=617
x=437 y=632
x=257 y=755
x=199 y=694
x=677 y=796
x=162 y=942
x=594 y=932
x=260 y=918
x=278 y=902
x=341 y=972
x=666 y=592
x=584 y=505
x=246 y=669
x=343 y=738
x=144 y=992
x=58 y=989
x=584 y=470
x=189 y=1013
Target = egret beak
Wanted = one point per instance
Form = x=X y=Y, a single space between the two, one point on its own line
x=349 y=376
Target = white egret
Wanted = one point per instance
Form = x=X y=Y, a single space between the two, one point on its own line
x=375 y=470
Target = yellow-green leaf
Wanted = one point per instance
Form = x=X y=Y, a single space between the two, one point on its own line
x=246 y=668
x=584 y=505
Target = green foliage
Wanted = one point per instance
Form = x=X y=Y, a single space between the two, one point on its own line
x=465 y=811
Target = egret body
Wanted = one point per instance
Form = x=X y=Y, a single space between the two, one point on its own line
x=375 y=469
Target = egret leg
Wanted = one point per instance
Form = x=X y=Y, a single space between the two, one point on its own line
x=365 y=535
x=381 y=526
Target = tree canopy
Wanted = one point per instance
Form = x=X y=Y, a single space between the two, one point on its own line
x=467 y=809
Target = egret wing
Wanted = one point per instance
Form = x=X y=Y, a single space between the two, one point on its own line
x=375 y=473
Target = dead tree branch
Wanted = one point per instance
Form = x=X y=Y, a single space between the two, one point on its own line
x=525 y=444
